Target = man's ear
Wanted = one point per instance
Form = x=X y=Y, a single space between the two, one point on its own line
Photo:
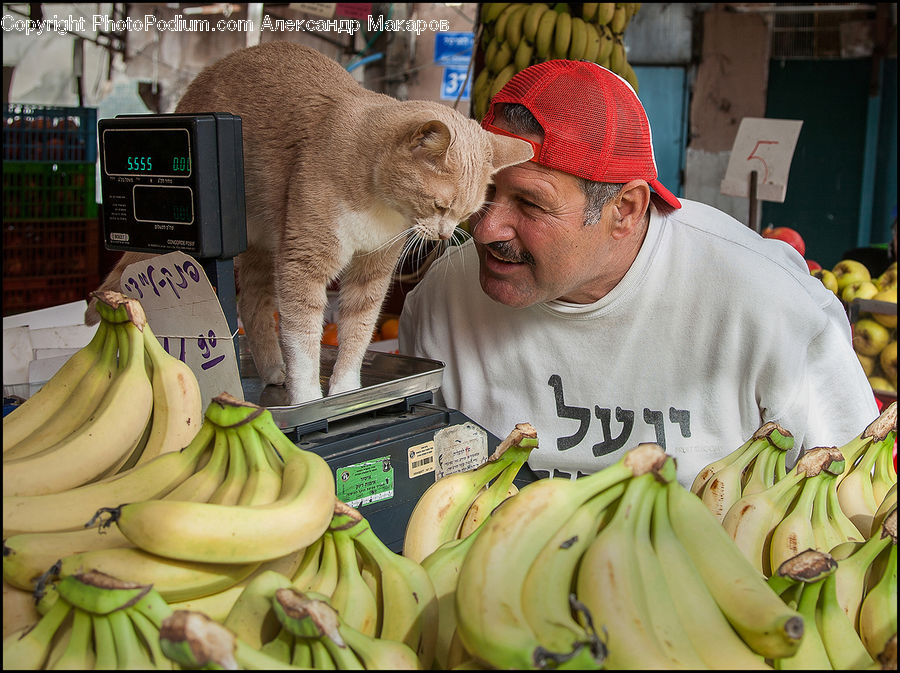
x=629 y=207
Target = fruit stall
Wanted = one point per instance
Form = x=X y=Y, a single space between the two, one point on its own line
x=169 y=509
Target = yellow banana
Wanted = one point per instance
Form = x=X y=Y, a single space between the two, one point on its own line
x=441 y=509
x=592 y=49
x=491 y=10
x=543 y=40
x=503 y=19
x=406 y=598
x=229 y=490
x=708 y=630
x=723 y=489
x=533 y=19
x=579 y=43
x=174 y=580
x=605 y=12
x=548 y=587
x=889 y=503
x=856 y=493
x=83 y=401
x=502 y=59
x=610 y=585
x=879 y=430
x=826 y=532
x=522 y=57
x=325 y=579
x=491 y=622
x=811 y=655
x=204 y=482
x=619 y=20
x=794 y=533
x=617 y=57
x=111 y=432
x=28 y=556
x=760 y=474
x=589 y=11
x=883 y=475
x=302 y=577
x=251 y=618
x=177 y=403
x=756 y=612
x=562 y=35
x=199 y=531
x=29 y=649
x=501 y=489
x=54 y=395
x=72 y=509
x=514 y=26
x=19 y=609
x=352 y=597
x=263 y=483
x=377 y=653
x=606 y=46
x=502 y=78
x=490 y=53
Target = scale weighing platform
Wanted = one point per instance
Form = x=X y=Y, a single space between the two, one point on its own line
x=378 y=439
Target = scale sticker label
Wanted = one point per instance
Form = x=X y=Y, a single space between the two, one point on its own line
x=459 y=448
x=366 y=482
x=421 y=459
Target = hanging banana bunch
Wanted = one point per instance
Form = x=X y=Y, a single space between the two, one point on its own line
x=515 y=35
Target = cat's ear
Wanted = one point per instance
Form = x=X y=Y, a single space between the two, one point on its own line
x=509 y=151
x=430 y=141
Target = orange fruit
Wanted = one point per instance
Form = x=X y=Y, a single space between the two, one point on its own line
x=390 y=328
x=330 y=334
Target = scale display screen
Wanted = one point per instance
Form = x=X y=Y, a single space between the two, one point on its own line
x=157 y=152
x=173 y=182
x=174 y=205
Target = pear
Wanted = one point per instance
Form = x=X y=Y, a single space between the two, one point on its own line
x=888 y=360
x=870 y=337
x=849 y=271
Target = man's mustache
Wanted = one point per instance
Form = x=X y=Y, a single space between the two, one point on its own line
x=505 y=251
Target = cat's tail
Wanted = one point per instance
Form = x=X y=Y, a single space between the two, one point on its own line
x=112 y=282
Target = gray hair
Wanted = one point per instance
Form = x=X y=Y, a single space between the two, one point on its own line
x=521 y=122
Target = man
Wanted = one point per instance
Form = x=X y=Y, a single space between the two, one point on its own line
x=598 y=307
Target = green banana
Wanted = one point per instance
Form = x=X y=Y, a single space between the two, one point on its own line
x=131 y=654
x=579 y=42
x=619 y=20
x=811 y=654
x=228 y=492
x=30 y=649
x=724 y=488
x=592 y=49
x=104 y=643
x=149 y=634
x=503 y=19
x=491 y=10
x=352 y=597
x=502 y=78
x=502 y=58
x=605 y=12
x=878 y=610
x=514 y=26
x=606 y=46
x=589 y=11
x=78 y=653
x=325 y=579
x=522 y=57
x=842 y=643
x=99 y=593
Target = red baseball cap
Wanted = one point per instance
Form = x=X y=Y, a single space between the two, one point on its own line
x=594 y=125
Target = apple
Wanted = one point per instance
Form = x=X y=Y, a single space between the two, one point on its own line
x=786 y=234
x=828 y=279
x=888 y=360
x=870 y=337
x=881 y=383
x=863 y=289
x=813 y=264
x=850 y=271
x=888 y=278
x=867 y=362
x=888 y=295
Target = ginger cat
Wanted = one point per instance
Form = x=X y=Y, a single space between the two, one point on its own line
x=337 y=178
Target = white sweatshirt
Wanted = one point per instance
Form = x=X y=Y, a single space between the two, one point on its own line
x=713 y=331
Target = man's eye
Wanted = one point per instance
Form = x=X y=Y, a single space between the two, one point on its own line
x=526 y=203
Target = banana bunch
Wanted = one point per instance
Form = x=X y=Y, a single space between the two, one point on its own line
x=238 y=500
x=870 y=471
x=120 y=401
x=456 y=504
x=94 y=621
x=378 y=594
x=754 y=466
x=752 y=519
x=516 y=35
x=627 y=552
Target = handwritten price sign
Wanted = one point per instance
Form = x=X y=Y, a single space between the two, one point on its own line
x=767 y=147
x=185 y=315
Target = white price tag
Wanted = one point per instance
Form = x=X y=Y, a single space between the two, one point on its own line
x=185 y=315
x=459 y=448
x=767 y=147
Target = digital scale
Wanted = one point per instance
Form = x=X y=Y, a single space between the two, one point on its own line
x=175 y=182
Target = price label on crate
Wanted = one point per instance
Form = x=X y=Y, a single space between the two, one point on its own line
x=187 y=318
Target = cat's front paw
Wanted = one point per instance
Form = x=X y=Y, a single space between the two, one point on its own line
x=298 y=394
x=341 y=384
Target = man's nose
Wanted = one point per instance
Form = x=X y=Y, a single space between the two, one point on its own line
x=494 y=223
